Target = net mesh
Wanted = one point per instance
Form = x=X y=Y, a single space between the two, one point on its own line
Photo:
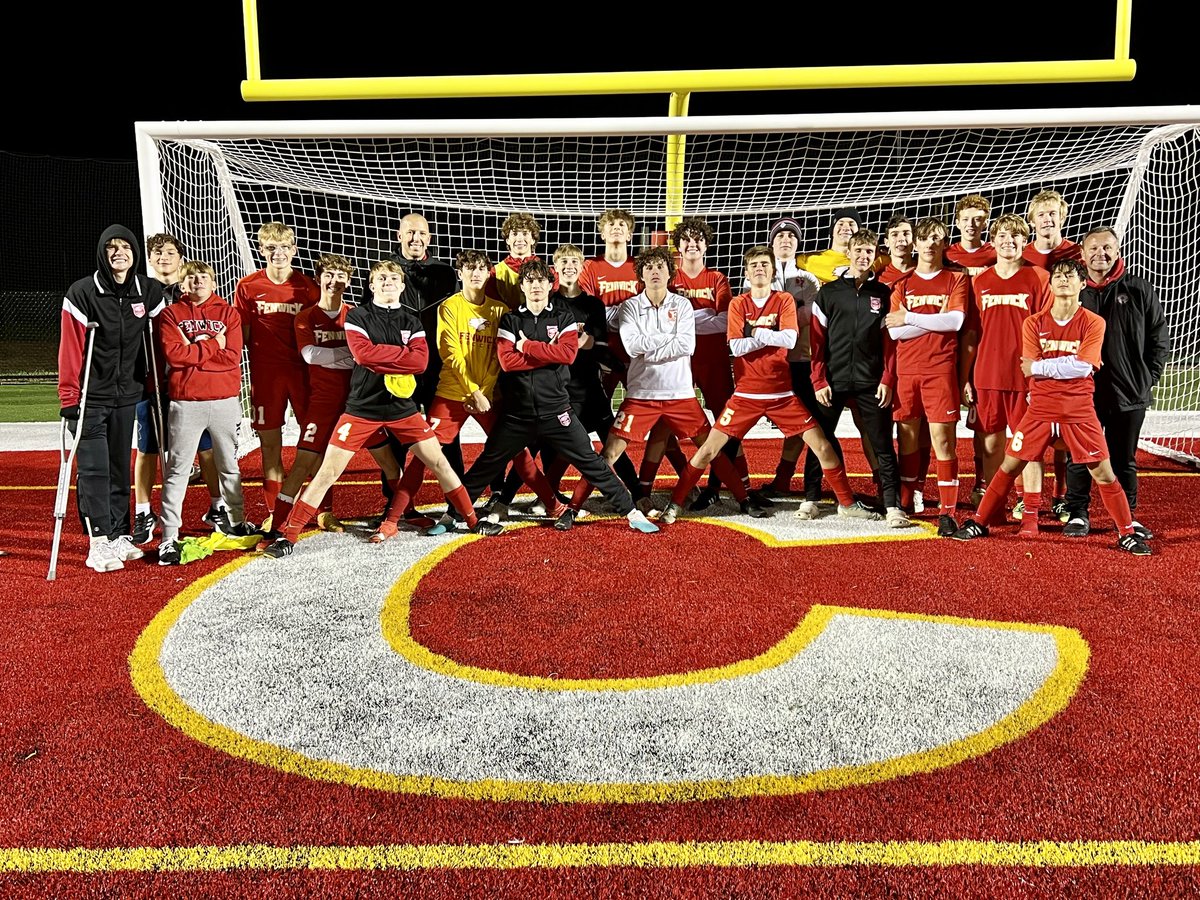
x=346 y=195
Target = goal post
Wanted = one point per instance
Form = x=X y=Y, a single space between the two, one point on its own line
x=343 y=186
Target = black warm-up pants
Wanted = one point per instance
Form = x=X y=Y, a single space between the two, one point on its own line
x=876 y=424
x=566 y=434
x=1121 y=430
x=102 y=485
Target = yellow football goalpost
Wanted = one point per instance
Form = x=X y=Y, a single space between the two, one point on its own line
x=680 y=84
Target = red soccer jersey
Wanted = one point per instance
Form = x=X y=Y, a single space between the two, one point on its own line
x=316 y=328
x=936 y=351
x=270 y=311
x=1001 y=307
x=1065 y=250
x=612 y=284
x=1043 y=337
x=890 y=275
x=708 y=291
x=764 y=372
x=958 y=255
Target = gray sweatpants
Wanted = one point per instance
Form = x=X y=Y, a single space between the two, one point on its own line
x=186 y=421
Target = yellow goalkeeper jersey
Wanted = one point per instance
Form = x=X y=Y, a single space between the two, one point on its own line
x=466 y=341
x=827 y=265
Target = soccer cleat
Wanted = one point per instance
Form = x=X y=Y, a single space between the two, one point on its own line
x=976 y=497
x=566 y=520
x=638 y=522
x=487 y=528
x=1018 y=511
x=559 y=509
x=1077 y=526
x=268 y=538
x=102 y=558
x=1059 y=508
x=858 y=510
x=1131 y=543
x=327 y=521
x=386 y=530
x=969 y=531
x=897 y=518
x=754 y=510
x=280 y=548
x=170 y=553
x=670 y=514
x=758 y=498
x=705 y=499
x=124 y=548
x=1142 y=531
x=210 y=518
x=144 y=526
x=808 y=510
x=918 y=503
x=418 y=520
x=494 y=512
x=436 y=529
x=220 y=520
x=947 y=527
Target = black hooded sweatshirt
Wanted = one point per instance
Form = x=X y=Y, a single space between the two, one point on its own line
x=123 y=312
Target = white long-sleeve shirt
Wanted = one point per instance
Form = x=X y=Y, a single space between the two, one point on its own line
x=660 y=342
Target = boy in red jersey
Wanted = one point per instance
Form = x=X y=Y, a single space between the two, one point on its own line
x=972 y=252
x=1061 y=348
x=613 y=276
x=898 y=237
x=1047 y=213
x=928 y=308
x=321 y=338
x=268 y=302
x=1004 y=296
x=201 y=340
x=386 y=340
x=762 y=328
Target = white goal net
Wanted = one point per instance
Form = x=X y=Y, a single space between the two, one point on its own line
x=343 y=187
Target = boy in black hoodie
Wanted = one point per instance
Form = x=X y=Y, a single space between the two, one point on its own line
x=121 y=301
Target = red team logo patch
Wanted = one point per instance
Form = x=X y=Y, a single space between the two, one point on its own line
x=876 y=304
x=552 y=333
x=139 y=309
x=564 y=418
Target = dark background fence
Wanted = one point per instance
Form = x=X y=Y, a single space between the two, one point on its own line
x=54 y=211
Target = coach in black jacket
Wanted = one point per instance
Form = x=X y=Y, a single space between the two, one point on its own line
x=854 y=360
x=1135 y=352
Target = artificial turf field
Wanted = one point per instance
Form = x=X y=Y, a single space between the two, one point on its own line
x=768 y=708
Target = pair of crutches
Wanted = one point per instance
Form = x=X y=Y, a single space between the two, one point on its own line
x=67 y=459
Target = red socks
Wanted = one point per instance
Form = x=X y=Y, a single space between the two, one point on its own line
x=1029 y=521
x=947 y=470
x=784 y=472
x=270 y=492
x=461 y=501
x=1117 y=505
x=995 y=497
x=302 y=513
x=910 y=464
x=687 y=481
x=841 y=485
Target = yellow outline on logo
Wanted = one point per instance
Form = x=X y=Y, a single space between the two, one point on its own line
x=151 y=683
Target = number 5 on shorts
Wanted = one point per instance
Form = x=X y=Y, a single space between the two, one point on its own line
x=726 y=417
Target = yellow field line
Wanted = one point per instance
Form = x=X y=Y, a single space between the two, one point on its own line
x=662 y=854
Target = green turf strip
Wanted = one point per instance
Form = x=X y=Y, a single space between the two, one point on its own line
x=29 y=402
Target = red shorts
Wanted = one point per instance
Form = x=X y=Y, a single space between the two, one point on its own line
x=353 y=433
x=1085 y=440
x=272 y=387
x=742 y=413
x=318 y=423
x=997 y=410
x=636 y=418
x=447 y=417
x=933 y=397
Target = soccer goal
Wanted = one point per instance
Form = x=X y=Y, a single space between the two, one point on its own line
x=343 y=186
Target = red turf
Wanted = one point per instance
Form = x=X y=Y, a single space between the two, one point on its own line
x=89 y=765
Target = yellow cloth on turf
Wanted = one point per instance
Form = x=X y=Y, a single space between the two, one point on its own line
x=192 y=548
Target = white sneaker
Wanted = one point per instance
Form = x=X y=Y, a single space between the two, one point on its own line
x=896 y=518
x=125 y=549
x=498 y=512
x=808 y=510
x=101 y=556
x=858 y=510
x=918 y=503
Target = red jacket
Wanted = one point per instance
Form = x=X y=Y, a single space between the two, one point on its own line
x=198 y=368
